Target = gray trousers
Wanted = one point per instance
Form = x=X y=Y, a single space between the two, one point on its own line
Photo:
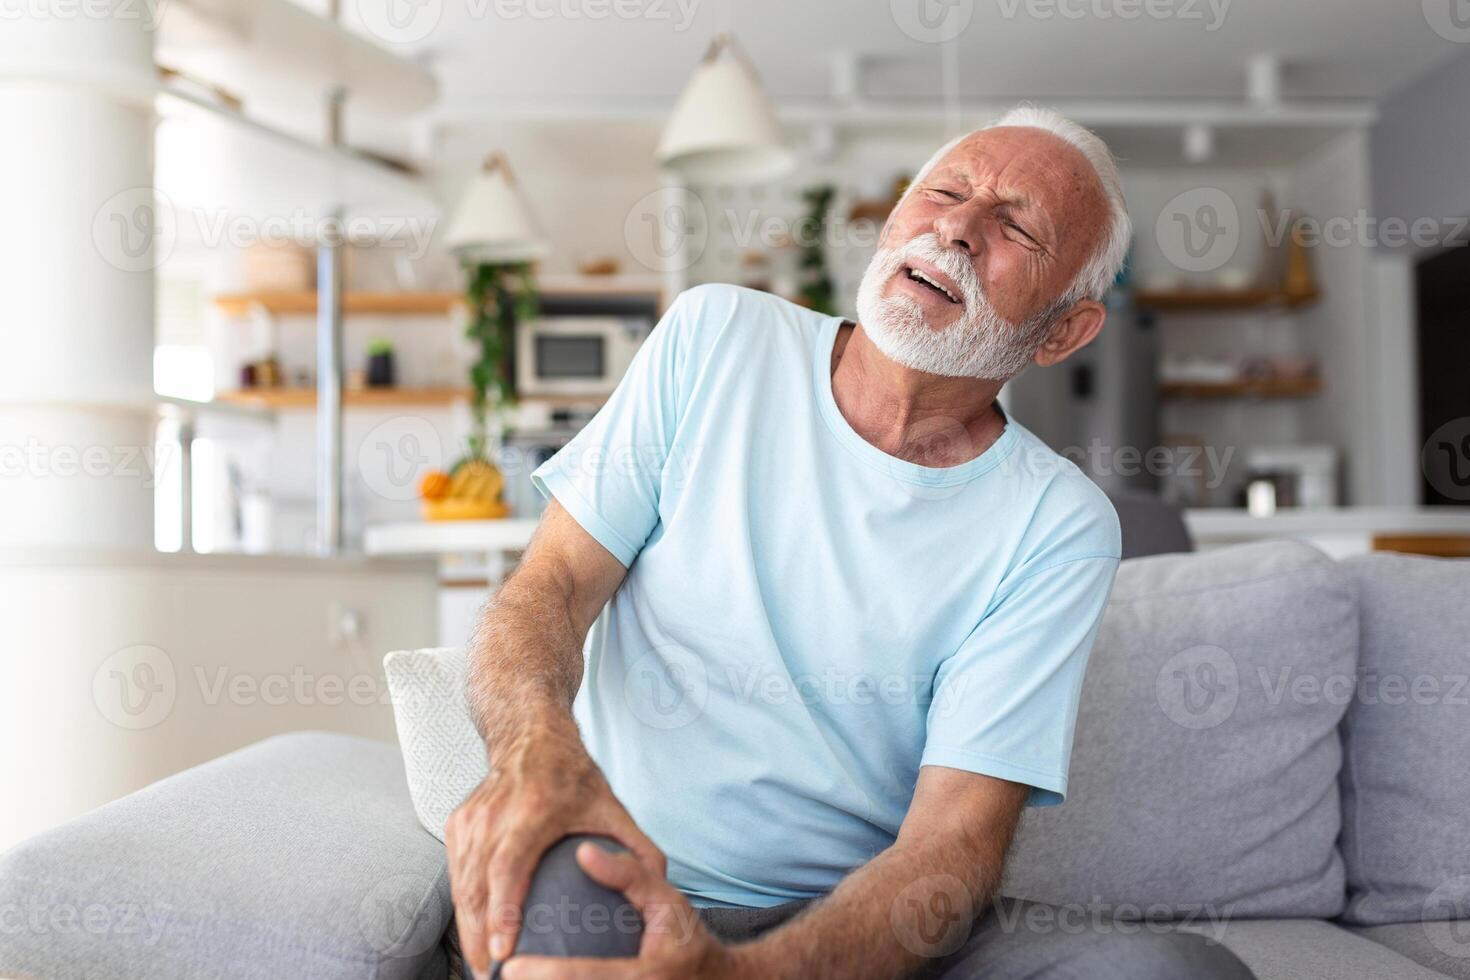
x=568 y=914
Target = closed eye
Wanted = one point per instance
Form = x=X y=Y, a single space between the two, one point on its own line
x=1020 y=231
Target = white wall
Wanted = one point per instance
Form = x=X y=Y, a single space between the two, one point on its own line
x=1418 y=151
x=123 y=668
x=1342 y=327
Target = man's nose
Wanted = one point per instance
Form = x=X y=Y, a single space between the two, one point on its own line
x=959 y=227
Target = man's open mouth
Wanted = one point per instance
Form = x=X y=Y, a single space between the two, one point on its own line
x=925 y=279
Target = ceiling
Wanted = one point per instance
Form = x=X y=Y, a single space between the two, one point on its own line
x=485 y=51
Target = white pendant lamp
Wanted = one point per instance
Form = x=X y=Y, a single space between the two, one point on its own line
x=493 y=223
x=724 y=129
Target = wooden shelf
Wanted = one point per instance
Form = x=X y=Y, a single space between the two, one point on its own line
x=553 y=284
x=1208 y=300
x=304 y=302
x=1252 y=388
x=367 y=397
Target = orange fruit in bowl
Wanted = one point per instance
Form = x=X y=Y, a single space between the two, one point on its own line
x=434 y=485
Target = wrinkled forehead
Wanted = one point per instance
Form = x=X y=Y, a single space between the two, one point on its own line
x=1026 y=166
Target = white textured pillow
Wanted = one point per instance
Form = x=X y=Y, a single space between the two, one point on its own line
x=442 y=752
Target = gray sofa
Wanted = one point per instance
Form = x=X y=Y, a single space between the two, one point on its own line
x=1272 y=750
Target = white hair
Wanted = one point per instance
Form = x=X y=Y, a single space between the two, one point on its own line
x=1096 y=275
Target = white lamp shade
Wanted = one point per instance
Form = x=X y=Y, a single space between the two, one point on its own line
x=493 y=222
x=724 y=128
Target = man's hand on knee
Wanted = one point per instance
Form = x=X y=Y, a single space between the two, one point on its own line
x=538 y=792
x=675 y=944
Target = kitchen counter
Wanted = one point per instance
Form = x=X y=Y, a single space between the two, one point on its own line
x=1339 y=531
x=449 y=537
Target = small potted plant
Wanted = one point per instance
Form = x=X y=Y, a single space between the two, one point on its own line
x=380 y=364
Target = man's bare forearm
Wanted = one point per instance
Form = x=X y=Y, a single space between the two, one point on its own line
x=525 y=656
x=525 y=664
x=912 y=903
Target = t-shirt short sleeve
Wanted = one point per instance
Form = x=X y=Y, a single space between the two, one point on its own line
x=608 y=476
x=1005 y=703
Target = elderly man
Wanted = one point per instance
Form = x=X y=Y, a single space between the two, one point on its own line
x=836 y=608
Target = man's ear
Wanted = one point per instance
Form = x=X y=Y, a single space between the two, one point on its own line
x=1072 y=332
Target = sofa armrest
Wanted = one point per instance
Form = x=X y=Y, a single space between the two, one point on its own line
x=299 y=856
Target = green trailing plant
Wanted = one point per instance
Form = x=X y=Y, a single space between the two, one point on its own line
x=501 y=294
x=816 y=289
x=379 y=347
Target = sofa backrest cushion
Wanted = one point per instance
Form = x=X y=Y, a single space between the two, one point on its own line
x=1406 y=739
x=1204 y=775
x=443 y=755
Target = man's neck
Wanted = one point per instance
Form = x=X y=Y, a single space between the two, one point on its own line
x=923 y=418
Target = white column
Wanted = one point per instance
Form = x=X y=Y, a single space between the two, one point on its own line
x=76 y=308
x=76 y=339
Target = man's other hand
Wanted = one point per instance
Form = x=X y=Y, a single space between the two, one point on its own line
x=543 y=789
x=676 y=945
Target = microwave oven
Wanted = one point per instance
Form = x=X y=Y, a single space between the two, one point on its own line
x=574 y=357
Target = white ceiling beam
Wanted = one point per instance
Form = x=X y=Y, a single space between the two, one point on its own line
x=1221 y=114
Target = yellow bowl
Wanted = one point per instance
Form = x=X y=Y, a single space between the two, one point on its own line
x=464 y=509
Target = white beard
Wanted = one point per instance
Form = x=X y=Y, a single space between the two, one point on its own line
x=980 y=344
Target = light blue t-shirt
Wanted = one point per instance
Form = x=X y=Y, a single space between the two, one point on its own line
x=807 y=620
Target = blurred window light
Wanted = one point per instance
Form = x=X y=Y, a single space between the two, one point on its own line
x=205 y=468
x=182 y=365
x=183 y=372
x=168 y=515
